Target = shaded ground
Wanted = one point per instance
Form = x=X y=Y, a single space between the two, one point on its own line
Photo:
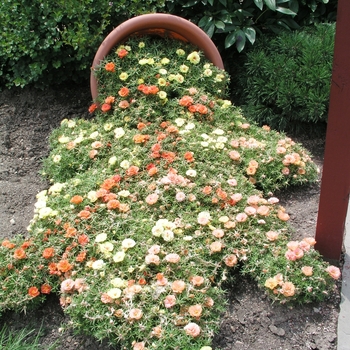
x=250 y=322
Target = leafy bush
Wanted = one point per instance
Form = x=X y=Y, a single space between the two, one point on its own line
x=238 y=22
x=50 y=42
x=286 y=79
x=153 y=206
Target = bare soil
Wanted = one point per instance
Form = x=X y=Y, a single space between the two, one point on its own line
x=251 y=321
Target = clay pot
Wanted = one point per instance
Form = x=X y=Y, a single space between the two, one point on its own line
x=160 y=24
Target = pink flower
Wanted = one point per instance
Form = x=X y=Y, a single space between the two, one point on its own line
x=304 y=246
x=232 y=182
x=67 y=286
x=250 y=211
x=285 y=171
x=241 y=217
x=253 y=200
x=180 y=196
x=273 y=200
x=271 y=235
x=236 y=197
x=298 y=253
x=218 y=233
x=169 y=301
x=333 y=271
x=152 y=259
x=234 y=155
x=135 y=314
x=152 y=198
x=155 y=249
x=192 y=329
x=293 y=245
x=290 y=255
x=172 y=258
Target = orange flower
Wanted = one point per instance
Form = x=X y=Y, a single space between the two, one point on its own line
x=48 y=253
x=108 y=184
x=152 y=171
x=251 y=170
x=186 y=101
x=221 y=194
x=172 y=129
x=207 y=189
x=105 y=107
x=333 y=271
x=93 y=153
x=19 y=254
x=110 y=67
x=140 y=126
x=7 y=244
x=195 y=310
x=64 y=266
x=52 y=268
x=45 y=289
x=122 y=53
x=123 y=92
x=76 y=199
x=288 y=289
x=133 y=170
x=93 y=108
x=33 y=292
x=282 y=215
x=124 y=207
x=110 y=100
x=138 y=138
x=189 y=157
x=113 y=204
x=70 y=232
x=81 y=256
x=84 y=214
x=202 y=109
x=168 y=156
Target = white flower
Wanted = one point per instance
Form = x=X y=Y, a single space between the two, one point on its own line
x=191 y=173
x=128 y=243
x=71 y=124
x=108 y=126
x=162 y=71
x=224 y=219
x=92 y=196
x=125 y=164
x=98 y=264
x=94 y=135
x=143 y=61
x=106 y=248
x=79 y=139
x=63 y=139
x=40 y=204
x=42 y=194
x=180 y=52
x=205 y=144
x=219 y=132
x=162 y=95
x=157 y=230
x=208 y=72
x=118 y=133
x=56 y=158
x=190 y=126
x=168 y=235
x=119 y=283
x=114 y=293
x=180 y=122
x=222 y=139
x=187 y=238
x=124 y=193
x=112 y=160
x=119 y=256
x=101 y=237
x=219 y=145
x=205 y=136
x=56 y=188
x=45 y=212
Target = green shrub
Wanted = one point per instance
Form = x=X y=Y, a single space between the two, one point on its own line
x=286 y=79
x=240 y=21
x=45 y=42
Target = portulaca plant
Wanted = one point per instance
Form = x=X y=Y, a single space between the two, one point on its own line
x=158 y=200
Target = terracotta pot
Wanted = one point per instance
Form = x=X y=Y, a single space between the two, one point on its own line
x=156 y=24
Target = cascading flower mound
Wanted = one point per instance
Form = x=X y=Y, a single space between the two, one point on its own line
x=155 y=201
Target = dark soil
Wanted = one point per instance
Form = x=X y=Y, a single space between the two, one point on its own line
x=251 y=320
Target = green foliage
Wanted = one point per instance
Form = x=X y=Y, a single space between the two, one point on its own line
x=45 y=42
x=238 y=22
x=286 y=79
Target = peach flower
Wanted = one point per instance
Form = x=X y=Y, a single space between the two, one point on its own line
x=152 y=259
x=263 y=210
x=152 y=198
x=192 y=329
x=241 y=217
x=67 y=286
x=195 y=310
x=139 y=346
x=157 y=331
x=231 y=260
x=218 y=233
x=250 y=211
x=307 y=270
x=135 y=314
x=288 y=289
x=234 y=155
x=282 y=215
x=178 y=286
x=197 y=280
x=216 y=247
x=272 y=235
x=155 y=249
x=310 y=240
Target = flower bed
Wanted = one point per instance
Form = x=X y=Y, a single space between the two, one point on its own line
x=156 y=201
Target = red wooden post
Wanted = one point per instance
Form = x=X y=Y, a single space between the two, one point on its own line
x=335 y=185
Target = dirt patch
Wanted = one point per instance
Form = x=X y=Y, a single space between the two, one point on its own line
x=251 y=320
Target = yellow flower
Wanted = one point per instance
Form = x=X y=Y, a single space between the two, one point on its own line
x=194 y=57
x=271 y=283
x=123 y=76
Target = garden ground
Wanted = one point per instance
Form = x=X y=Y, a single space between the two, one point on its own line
x=251 y=321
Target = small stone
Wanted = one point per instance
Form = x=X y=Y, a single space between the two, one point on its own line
x=12 y=221
x=278 y=331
